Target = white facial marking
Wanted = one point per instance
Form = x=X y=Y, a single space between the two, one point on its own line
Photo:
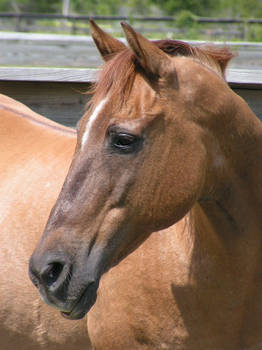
x=91 y=121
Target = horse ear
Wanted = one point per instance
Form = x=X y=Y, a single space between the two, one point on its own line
x=105 y=43
x=152 y=59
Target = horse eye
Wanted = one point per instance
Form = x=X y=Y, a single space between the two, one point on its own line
x=124 y=142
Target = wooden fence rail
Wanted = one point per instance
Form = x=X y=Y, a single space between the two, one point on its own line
x=79 y=51
x=126 y=18
x=236 y=27
x=60 y=94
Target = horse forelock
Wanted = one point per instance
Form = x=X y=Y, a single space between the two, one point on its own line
x=118 y=74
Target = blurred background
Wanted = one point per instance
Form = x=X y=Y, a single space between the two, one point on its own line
x=191 y=19
x=58 y=30
x=48 y=57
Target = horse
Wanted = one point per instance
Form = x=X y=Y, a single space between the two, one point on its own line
x=35 y=157
x=157 y=231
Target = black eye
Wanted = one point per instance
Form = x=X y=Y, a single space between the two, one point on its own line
x=124 y=142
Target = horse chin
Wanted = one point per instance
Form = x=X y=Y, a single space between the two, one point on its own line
x=83 y=304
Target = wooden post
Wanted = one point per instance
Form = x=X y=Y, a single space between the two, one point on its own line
x=66 y=6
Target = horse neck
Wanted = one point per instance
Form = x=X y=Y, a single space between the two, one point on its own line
x=230 y=208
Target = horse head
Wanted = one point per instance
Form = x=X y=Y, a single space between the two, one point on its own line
x=142 y=160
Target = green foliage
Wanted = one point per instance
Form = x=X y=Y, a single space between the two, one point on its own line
x=31 y=6
x=185 y=19
x=230 y=8
x=138 y=7
x=199 y=7
x=185 y=13
x=255 y=33
x=4 y=4
x=240 y=8
x=94 y=7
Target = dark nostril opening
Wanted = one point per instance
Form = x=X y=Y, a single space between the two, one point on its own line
x=51 y=273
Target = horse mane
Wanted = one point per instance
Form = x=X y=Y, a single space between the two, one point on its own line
x=117 y=75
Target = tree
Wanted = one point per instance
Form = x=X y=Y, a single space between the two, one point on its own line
x=41 y=6
x=198 y=7
x=231 y=8
x=95 y=7
x=66 y=7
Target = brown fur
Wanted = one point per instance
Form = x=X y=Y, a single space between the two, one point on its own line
x=35 y=155
x=166 y=188
x=118 y=73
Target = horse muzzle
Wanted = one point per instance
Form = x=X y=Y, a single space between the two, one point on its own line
x=63 y=285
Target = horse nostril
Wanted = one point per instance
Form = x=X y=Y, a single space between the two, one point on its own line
x=51 y=273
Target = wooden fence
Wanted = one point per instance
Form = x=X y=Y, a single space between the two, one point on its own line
x=39 y=16
x=236 y=27
x=56 y=50
x=59 y=93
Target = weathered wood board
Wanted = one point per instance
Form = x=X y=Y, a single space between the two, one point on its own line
x=62 y=102
x=56 y=50
x=60 y=94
